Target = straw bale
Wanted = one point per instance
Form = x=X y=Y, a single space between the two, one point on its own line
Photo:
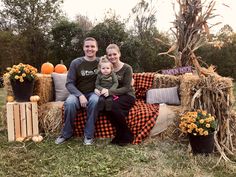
x=7 y=86
x=187 y=89
x=3 y=116
x=50 y=117
x=44 y=88
x=164 y=81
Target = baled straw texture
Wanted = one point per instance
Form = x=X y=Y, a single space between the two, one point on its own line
x=50 y=117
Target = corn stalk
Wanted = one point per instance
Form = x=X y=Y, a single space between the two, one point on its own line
x=191 y=31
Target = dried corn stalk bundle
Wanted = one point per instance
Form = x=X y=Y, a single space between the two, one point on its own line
x=215 y=95
x=164 y=81
x=191 y=31
x=44 y=88
x=50 y=117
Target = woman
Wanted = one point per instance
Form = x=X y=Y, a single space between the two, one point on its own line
x=126 y=97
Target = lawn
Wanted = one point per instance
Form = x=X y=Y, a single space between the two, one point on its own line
x=154 y=157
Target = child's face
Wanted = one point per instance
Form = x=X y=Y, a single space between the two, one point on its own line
x=106 y=68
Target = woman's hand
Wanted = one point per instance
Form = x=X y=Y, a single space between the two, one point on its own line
x=97 y=92
x=105 y=92
x=83 y=101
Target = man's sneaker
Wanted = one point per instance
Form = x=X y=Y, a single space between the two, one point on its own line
x=88 y=141
x=60 y=139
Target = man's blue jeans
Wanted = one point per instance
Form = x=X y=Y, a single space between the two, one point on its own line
x=71 y=107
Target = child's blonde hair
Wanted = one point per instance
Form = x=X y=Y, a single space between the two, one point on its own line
x=102 y=60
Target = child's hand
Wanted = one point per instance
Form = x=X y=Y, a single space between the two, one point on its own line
x=105 y=92
x=97 y=92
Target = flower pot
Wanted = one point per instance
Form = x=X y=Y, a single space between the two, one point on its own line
x=202 y=144
x=22 y=90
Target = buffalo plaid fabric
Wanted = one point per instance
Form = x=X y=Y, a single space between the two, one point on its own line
x=141 y=118
x=142 y=82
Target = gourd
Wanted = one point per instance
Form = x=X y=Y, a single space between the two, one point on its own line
x=34 y=98
x=10 y=98
x=47 y=68
x=60 y=68
x=37 y=138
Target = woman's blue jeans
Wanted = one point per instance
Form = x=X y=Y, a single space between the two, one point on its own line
x=71 y=107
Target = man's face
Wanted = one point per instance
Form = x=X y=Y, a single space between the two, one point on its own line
x=90 y=49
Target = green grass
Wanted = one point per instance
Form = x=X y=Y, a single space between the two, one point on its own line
x=153 y=158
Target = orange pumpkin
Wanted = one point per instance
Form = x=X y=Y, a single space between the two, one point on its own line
x=60 y=68
x=47 y=68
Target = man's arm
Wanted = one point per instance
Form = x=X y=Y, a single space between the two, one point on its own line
x=72 y=78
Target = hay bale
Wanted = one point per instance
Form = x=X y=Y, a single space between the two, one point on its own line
x=3 y=116
x=44 y=88
x=164 y=81
x=187 y=89
x=7 y=86
x=50 y=117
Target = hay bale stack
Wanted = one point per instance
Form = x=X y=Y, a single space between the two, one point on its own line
x=187 y=89
x=44 y=88
x=50 y=117
x=164 y=81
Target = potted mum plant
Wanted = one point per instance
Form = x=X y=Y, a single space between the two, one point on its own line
x=22 y=77
x=200 y=126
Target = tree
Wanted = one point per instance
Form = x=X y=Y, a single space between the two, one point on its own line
x=30 y=20
x=67 y=41
x=111 y=30
x=141 y=48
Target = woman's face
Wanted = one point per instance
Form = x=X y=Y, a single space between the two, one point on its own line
x=113 y=55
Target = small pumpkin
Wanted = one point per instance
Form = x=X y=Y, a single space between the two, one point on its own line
x=34 y=98
x=47 y=68
x=10 y=98
x=60 y=68
x=37 y=138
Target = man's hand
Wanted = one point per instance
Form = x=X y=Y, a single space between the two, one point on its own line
x=83 y=101
x=105 y=92
x=97 y=92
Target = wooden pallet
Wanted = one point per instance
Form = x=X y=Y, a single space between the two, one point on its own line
x=22 y=120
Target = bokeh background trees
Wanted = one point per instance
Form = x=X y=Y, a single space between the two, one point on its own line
x=36 y=31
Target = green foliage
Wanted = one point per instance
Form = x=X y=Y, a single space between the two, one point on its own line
x=29 y=21
x=222 y=57
x=67 y=41
x=111 y=30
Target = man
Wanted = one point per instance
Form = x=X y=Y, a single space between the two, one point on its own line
x=81 y=83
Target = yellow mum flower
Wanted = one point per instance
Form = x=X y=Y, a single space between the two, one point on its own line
x=201 y=121
x=208 y=125
x=205 y=133
x=17 y=77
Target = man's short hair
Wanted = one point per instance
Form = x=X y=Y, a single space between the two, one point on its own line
x=90 y=39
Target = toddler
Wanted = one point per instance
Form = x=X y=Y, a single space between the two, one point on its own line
x=106 y=79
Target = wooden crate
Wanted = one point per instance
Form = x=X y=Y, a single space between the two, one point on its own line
x=22 y=120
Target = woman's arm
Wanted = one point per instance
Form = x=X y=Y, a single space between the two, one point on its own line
x=126 y=86
x=115 y=81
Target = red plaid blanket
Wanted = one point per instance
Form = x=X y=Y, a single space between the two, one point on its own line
x=141 y=118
